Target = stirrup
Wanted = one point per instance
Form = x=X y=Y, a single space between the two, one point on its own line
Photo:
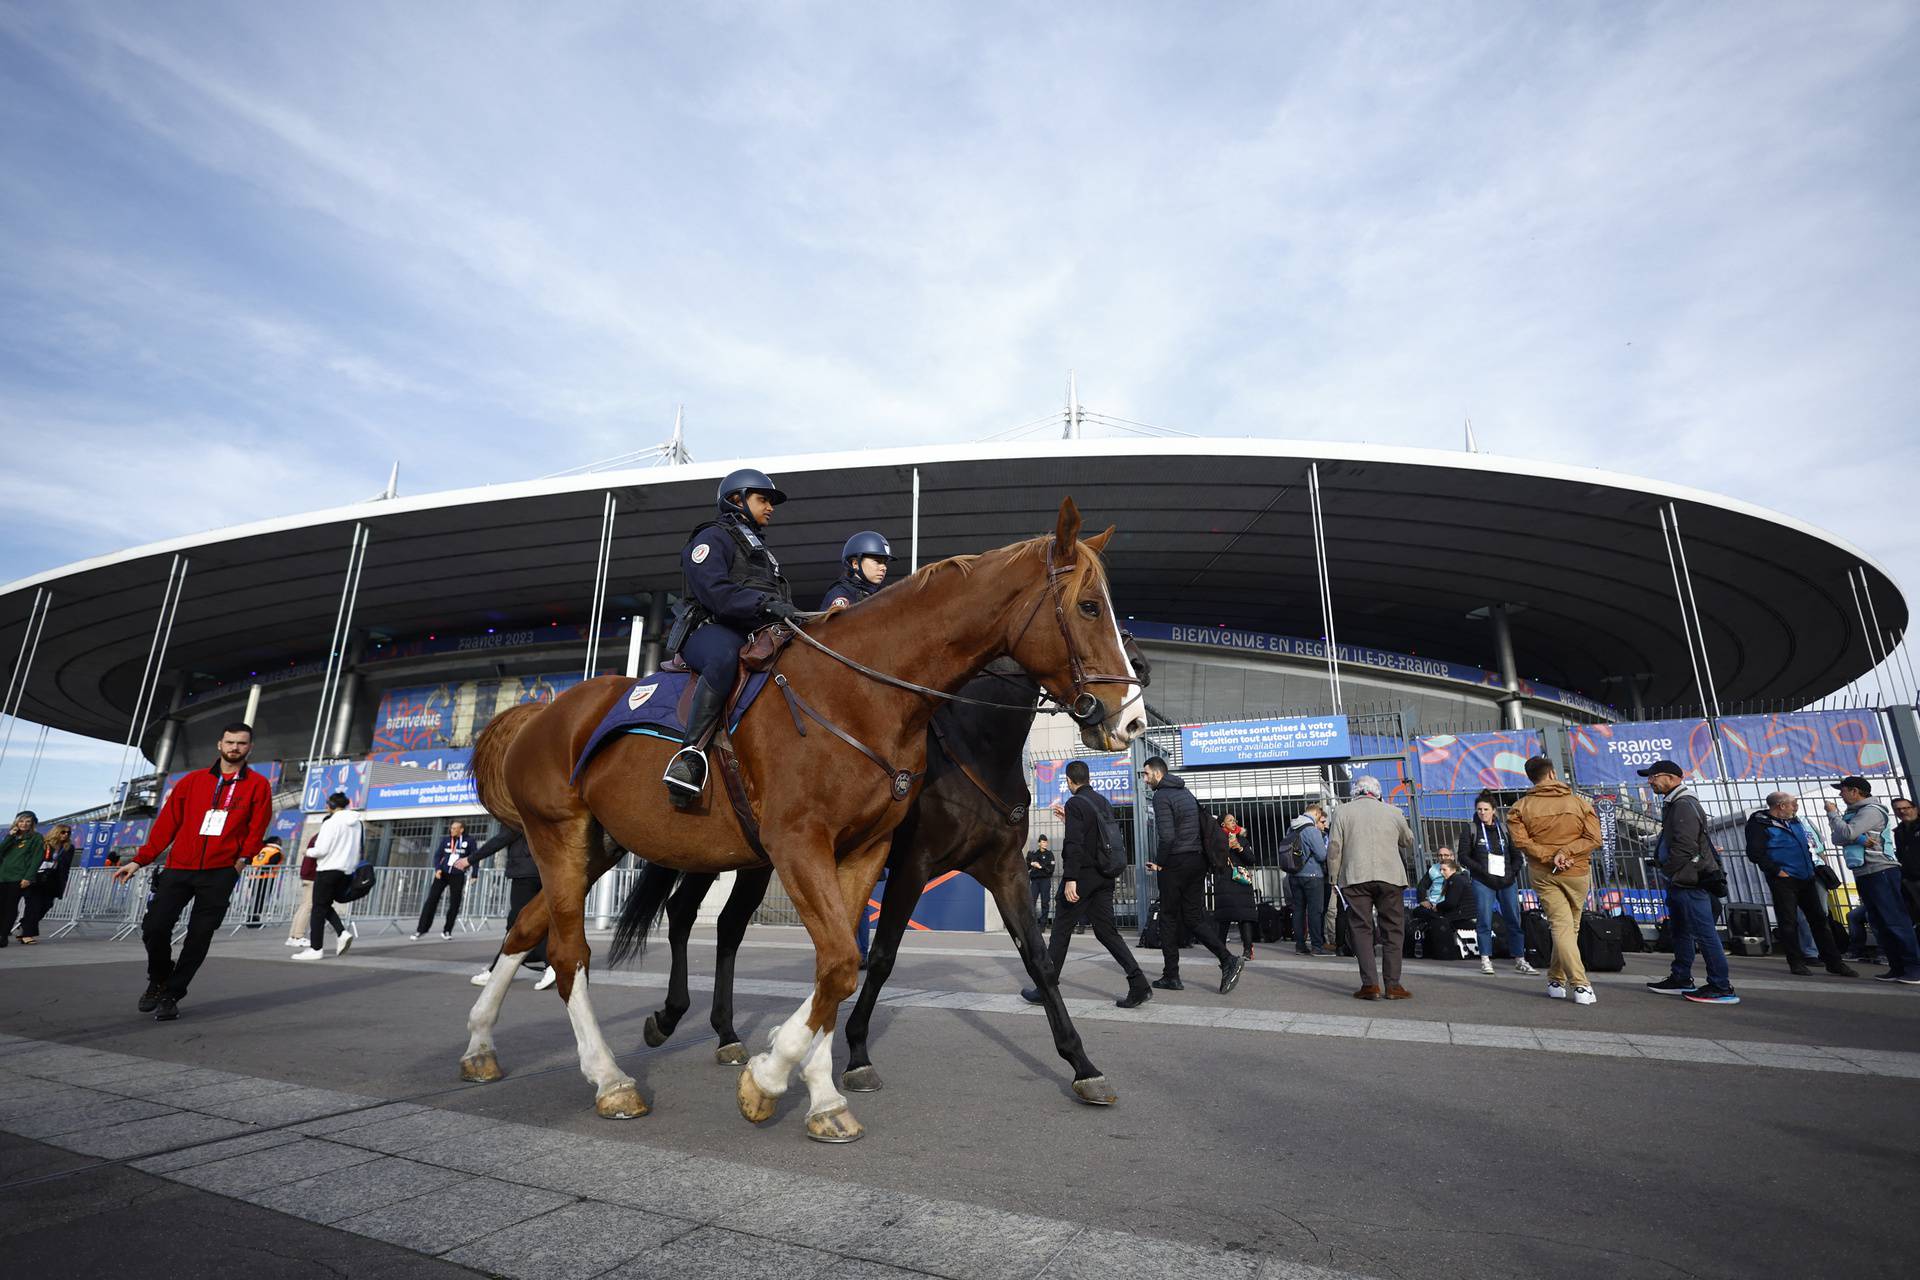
x=681 y=792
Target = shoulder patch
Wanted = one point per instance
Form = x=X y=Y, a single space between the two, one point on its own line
x=700 y=553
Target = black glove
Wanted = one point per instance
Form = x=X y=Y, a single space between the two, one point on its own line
x=780 y=610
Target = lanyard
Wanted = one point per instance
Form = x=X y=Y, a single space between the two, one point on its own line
x=229 y=784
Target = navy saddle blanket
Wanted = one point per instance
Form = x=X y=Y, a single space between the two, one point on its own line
x=653 y=705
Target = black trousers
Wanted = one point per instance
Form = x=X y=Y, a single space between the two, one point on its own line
x=520 y=891
x=455 y=887
x=210 y=892
x=1096 y=908
x=326 y=888
x=39 y=902
x=1040 y=885
x=1789 y=896
x=1183 y=897
x=11 y=895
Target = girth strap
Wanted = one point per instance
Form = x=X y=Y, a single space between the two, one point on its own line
x=902 y=780
x=737 y=793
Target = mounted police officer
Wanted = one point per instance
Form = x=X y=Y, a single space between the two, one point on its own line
x=732 y=586
x=864 y=559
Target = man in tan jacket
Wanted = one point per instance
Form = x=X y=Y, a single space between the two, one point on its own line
x=1367 y=850
x=1558 y=831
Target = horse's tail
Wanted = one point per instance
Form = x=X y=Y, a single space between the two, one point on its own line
x=645 y=901
x=490 y=761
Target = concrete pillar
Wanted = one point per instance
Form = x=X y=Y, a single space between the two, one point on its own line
x=345 y=700
x=251 y=714
x=170 y=728
x=1509 y=669
x=655 y=650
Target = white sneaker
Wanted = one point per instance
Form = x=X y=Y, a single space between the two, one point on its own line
x=345 y=941
x=447 y=936
x=1486 y=964
x=1584 y=995
x=413 y=937
x=296 y=942
x=1521 y=967
x=309 y=954
x=1556 y=991
x=547 y=979
x=480 y=979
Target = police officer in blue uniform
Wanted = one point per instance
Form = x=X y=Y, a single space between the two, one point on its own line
x=864 y=559
x=732 y=586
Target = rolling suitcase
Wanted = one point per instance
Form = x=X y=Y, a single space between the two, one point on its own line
x=1533 y=923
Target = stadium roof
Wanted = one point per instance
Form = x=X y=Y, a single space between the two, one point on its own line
x=1211 y=531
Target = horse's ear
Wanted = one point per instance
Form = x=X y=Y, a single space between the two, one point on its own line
x=1066 y=530
x=1099 y=540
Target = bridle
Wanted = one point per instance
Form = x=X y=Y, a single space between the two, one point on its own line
x=1086 y=709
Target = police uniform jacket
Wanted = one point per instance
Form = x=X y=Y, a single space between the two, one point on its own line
x=852 y=588
x=731 y=573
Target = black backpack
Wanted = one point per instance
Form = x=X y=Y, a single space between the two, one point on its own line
x=1288 y=856
x=1213 y=841
x=1110 y=854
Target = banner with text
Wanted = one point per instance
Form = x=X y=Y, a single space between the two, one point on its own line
x=424 y=717
x=1265 y=741
x=1110 y=776
x=1476 y=762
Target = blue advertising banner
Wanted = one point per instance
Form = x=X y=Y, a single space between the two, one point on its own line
x=1607 y=809
x=1265 y=741
x=395 y=780
x=1476 y=762
x=1110 y=776
x=1804 y=744
x=91 y=842
x=952 y=902
x=425 y=717
x=1611 y=754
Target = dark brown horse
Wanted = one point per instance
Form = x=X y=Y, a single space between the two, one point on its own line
x=971 y=816
x=825 y=809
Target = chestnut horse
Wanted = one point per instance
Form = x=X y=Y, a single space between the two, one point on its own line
x=832 y=750
x=971 y=816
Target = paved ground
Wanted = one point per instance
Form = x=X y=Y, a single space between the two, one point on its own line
x=1476 y=1130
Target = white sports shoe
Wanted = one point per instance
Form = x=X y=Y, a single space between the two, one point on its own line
x=1521 y=967
x=309 y=954
x=547 y=979
x=480 y=979
x=1486 y=964
x=413 y=937
x=1584 y=995
x=345 y=941
x=296 y=942
x=1556 y=991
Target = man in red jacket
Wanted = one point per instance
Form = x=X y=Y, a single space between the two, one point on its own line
x=212 y=822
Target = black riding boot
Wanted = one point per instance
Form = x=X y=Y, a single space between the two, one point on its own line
x=686 y=775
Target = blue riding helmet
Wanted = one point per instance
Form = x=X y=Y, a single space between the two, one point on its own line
x=866 y=543
x=748 y=480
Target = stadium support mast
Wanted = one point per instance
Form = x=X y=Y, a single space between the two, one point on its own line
x=1074 y=417
x=1473 y=446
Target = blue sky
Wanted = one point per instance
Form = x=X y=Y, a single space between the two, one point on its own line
x=250 y=255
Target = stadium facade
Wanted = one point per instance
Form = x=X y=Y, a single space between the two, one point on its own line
x=1467 y=592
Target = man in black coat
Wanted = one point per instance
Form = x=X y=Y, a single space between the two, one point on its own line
x=523 y=885
x=1085 y=891
x=1183 y=876
x=1040 y=874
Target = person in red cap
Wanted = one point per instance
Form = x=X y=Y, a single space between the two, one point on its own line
x=211 y=822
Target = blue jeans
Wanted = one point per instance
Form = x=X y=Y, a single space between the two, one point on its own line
x=1691 y=911
x=1508 y=900
x=1880 y=892
x=1309 y=910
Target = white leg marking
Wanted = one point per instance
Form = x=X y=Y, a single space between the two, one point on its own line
x=596 y=1060
x=790 y=1043
x=486 y=1010
x=817 y=1072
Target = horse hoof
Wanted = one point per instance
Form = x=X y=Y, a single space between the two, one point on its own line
x=755 y=1104
x=731 y=1055
x=481 y=1068
x=834 y=1126
x=652 y=1033
x=1095 y=1092
x=622 y=1102
x=861 y=1080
